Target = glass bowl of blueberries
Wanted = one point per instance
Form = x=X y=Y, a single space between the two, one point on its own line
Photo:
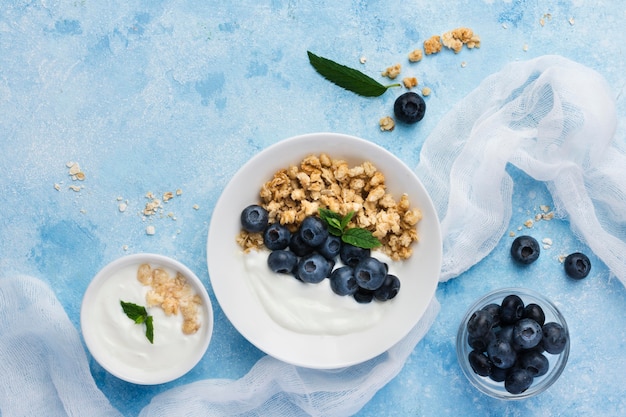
x=513 y=343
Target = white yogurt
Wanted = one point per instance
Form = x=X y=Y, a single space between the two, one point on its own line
x=312 y=308
x=120 y=344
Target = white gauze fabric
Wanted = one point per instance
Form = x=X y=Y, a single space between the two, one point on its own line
x=550 y=117
x=43 y=368
x=45 y=371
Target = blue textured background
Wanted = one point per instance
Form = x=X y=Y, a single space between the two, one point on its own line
x=165 y=95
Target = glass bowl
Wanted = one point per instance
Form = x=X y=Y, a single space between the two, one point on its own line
x=486 y=384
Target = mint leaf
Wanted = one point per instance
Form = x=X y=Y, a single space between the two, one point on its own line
x=348 y=78
x=356 y=236
x=139 y=315
x=134 y=312
x=149 y=329
x=361 y=238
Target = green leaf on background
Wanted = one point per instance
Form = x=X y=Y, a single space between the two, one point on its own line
x=348 y=78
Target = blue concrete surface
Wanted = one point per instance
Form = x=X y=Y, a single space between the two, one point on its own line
x=166 y=95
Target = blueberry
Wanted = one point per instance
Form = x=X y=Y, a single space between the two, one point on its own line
x=282 y=261
x=313 y=231
x=370 y=273
x=494 y=309
x=527 y=334
x=554 y=338
x=409 y=108
x=342 y=281
x=389 y=289
x=518 y=380
x=351 y=255
x=535 y=362
x=480 y=323
x=297 y=246
x=498 y=374
x=535 y=312
x=254 y=218
x=363 y=296
x=330 y=247
x=525 y=249
x=480 y=343
x=505 y=333
x=512 y=309
x=480 y=363
x=577 y=265
x=501 y=353
x=276 y=236
x=313 y=268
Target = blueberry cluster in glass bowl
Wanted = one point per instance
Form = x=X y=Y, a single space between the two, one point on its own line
x=311 y=254
x=513 y=343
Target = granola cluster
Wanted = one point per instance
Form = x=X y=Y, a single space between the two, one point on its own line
x=173 y=294
x=321 y=182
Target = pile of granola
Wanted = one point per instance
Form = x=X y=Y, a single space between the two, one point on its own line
x=321 y=182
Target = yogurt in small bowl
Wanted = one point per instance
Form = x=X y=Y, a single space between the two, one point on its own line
x=146 y=318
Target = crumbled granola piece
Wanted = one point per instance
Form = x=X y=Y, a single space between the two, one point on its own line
x=387 y=124
x=392 y=72
x=172 y=294
x=432 y=45
x=456 y=38
x=416 y=55
x=409 y=82
x=300 y=190
x=168 y=195
x=426 y=91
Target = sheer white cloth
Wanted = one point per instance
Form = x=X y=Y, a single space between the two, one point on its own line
x=551 y=117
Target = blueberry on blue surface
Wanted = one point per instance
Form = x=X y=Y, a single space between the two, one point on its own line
x=254 y=218
x=409 y=108
x=370 y=273
x=518 y=380
x=276 y=236
x=577 y=265
x=282 y=261
x=342 y=281
x=554 y=338
x=480 y=363
x=313 y=231
x=313 y=268
x=480 y=323
x=535 y=312
x=535 y=362
x=526 y=334
x=351 y=255
x=501 y=353
x=512 y=309
x=297 y=245
x=525 y=249
x=389 y=289
x=330 y=247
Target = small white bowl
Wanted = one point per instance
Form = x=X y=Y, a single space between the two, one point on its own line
x=120 y=345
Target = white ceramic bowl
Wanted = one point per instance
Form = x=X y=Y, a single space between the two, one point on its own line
x=241 y=303
x=120 y=345
x=496 y=389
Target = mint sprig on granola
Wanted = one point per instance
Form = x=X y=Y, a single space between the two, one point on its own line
x=356 y=236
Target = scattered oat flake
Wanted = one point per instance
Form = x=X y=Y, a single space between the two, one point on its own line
x=122 y=207
x=363 y=60
x=571 y=21
x=168 y=195
x=504 y=26
x=196 y=207
x=548 y=216
x=525 y=48
x=150 y=230
x=57 y=187
x=561 y=258
x=179 y=192
x=74 y=188
x=124 y=247
x=512 y=234
x=528 y=223
x=544 y=208
x=463 y=64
